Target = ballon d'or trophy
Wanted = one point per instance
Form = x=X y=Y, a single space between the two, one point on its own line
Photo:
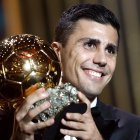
x=26 y=59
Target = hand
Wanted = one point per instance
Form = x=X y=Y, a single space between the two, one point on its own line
x=81 y=126
x=24 y=115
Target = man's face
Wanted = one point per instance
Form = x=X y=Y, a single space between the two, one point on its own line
x=89 y=57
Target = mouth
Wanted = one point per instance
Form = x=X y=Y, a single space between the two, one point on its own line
x=94 y=74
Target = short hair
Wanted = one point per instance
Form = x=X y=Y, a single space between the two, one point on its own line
x=95 y=12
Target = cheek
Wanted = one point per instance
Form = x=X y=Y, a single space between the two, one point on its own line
x=67 y=61
x=72 y=58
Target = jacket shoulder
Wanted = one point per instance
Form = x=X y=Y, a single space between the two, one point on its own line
x=127 y=117
x=124 y=117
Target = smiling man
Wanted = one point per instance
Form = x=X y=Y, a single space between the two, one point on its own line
x=86 y=42
x=89 y=56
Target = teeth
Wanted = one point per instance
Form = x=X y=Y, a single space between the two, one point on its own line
x=93 y=73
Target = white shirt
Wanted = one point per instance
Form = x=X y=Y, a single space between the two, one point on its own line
x=93 y=104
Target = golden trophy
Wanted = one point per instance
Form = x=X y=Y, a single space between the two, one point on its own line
x=26 y=59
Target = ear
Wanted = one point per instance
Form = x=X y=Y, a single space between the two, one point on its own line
x=57 y=46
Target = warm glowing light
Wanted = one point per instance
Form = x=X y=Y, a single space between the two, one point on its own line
x=27 y=66
x=33 y=73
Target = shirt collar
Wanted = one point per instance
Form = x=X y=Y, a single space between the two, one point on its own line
x=93 y=103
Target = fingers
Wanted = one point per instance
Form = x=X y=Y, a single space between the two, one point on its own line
x=77 y=117
x=24 y=109
x=76 y=126
x=79 y=125
x=32 y=127
x=73 y=125
x=83 y=98
x=47 y=123
x=74 y=121
x=24 y=114
x=34 y=112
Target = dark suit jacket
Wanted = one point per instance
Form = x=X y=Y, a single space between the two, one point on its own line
x=113 y=124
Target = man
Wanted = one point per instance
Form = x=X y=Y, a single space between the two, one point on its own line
x=86 y=42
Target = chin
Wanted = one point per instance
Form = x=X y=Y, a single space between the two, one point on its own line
x=91 y=97
x=91 y=94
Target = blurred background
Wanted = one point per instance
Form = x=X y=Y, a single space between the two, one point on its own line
x=39 y=17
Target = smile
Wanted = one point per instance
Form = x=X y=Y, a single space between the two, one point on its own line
x=93 y=74
x=96 y=74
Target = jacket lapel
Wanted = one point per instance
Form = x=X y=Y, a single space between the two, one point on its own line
x=106 y=120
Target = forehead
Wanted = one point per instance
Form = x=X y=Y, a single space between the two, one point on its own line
x=89 y=28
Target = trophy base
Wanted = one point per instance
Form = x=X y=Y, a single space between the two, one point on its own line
x=59 y=98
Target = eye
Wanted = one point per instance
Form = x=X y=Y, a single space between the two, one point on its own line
x=90 y=44
x=111 y=49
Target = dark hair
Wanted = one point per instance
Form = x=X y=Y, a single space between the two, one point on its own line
x=94 y=12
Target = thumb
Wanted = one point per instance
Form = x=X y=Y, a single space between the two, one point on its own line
x=83 y=99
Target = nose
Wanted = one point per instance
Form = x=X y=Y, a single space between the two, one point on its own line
x=100 y=58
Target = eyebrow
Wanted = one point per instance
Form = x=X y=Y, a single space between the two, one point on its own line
x=89 y=39
x=97 y=41
x=113 y=46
